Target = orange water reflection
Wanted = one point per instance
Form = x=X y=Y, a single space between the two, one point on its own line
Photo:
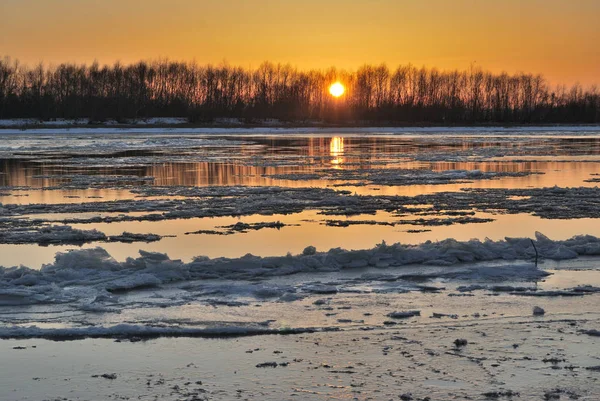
x=336 y=150
x=255 y=164
x=225 y=174
x=251 y=164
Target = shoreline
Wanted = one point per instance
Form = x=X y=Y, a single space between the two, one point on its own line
x=182 y=123
x=592 y=130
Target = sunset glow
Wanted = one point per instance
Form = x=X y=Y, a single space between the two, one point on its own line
x=556 y=38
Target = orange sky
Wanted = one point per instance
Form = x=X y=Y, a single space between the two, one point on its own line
x=559 y=38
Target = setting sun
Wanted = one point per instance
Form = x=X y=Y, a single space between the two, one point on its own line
x=337 y=89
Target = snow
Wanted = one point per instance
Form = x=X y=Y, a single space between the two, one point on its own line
x=160 y=121
x=538 y=130
x=94 y=272
x=24 y=122
x=28 y=122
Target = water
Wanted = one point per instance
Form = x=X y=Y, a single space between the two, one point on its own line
x=32 y=172
x=325 y=189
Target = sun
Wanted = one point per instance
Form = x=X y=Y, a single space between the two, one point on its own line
x=337 y=89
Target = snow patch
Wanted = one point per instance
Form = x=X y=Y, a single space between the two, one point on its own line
x=97 y=272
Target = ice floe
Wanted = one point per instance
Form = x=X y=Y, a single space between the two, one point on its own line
x=555 y=203
x=401 y=177
x=143 y=331
x=51 y=235
x=63 y=235
x=85 y=274
x=241 y=227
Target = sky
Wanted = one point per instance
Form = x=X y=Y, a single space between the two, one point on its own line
x=558 y=38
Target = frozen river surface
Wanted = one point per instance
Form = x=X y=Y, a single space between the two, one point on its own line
x=414 y=236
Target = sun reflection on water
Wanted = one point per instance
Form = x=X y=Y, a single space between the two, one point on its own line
x=336 y=151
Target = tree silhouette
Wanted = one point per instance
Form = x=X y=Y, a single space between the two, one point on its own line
x=203 y=93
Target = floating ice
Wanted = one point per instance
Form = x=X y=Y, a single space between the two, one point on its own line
x=51 y=235
x=401 y=177
x=64 y=235
x=142 y=331
x=85 y=181
x=87 y=273
x=241 y=227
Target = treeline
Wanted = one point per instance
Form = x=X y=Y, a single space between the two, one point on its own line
x=203 y=93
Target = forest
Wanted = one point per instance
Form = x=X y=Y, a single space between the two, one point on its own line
x=375 y=94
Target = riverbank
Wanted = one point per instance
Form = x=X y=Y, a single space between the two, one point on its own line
x=237 y=123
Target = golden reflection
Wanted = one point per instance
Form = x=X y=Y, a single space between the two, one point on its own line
x=336 y=151
x=323 y=152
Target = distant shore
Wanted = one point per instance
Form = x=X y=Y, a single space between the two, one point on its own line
x=183 y=123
